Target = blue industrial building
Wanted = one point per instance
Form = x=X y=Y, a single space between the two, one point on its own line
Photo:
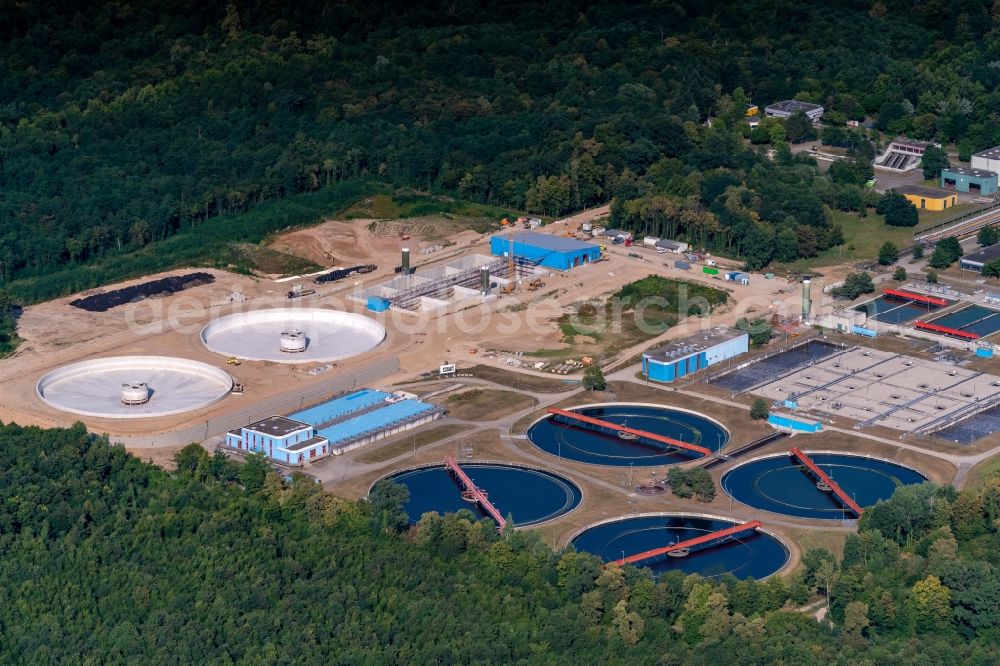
x=683 y=357
x=281 y=439
x=967 y=179
x=556 y=252
x=333 y=427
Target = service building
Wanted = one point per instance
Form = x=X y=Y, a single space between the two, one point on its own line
x=556 y=252
x=987 y=160
x=928 y=198
x=967 y=179
x=281 y=439
x=697 y=352
x=974 y=261
x=789 y=107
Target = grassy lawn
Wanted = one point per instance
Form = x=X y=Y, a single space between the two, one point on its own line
x=523 y=382
x=486 y=404
x=864 y=236
x=808 y=539
x=404 y=204
x=984 y=470
x=862 y=239
x=256 y=258
x=417 y=440
x=648 y=307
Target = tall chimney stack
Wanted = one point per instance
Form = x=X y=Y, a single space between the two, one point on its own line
x=405 y=261
x=806 y=300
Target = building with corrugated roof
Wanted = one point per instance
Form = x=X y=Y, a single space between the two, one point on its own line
x=691 y=354
x=556 y=252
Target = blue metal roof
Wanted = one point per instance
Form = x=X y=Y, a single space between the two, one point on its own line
x=550 y=242
x=372 y=422
x=340 y=407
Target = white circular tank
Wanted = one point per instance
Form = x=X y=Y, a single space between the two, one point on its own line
x=135 y=393
x=108 y=387
x=293 y=342
x=322 y=335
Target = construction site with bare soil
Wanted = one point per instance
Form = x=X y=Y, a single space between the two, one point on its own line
x=564 y=376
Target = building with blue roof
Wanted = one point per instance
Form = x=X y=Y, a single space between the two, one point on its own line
x=332 y=427
x=556 y=252
x=683 y=357
x=338 y=408
x=284 y=440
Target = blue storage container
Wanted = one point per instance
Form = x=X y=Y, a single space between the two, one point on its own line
x=378 y=304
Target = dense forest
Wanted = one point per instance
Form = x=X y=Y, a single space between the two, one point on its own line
x=108 y=560
x=124 y=124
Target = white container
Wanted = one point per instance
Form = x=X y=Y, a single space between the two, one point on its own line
x=293 y=342
x=135 y=393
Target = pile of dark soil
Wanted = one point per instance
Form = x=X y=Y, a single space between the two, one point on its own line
x=140 y=292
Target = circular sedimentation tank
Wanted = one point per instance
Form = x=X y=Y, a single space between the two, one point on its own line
x=125 y=387
x=780 y=484
x=531 y=496
x=585 y=445
x=293 y=335
x=756 y=553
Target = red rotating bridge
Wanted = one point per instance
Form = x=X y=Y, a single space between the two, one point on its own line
x=474 y=491
x=715 y=538
x=918 y=298
x=825 y=478
x=958 y=333
x=577 y=419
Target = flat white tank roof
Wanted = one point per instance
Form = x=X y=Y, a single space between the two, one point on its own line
x=96 y=387
x=331 y=335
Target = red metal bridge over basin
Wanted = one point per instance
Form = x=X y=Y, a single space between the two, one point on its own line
x=945 y=330
x=581 y=420
x=918 y=298
x=714 y=538
x=825 y=478
x=468 y=486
